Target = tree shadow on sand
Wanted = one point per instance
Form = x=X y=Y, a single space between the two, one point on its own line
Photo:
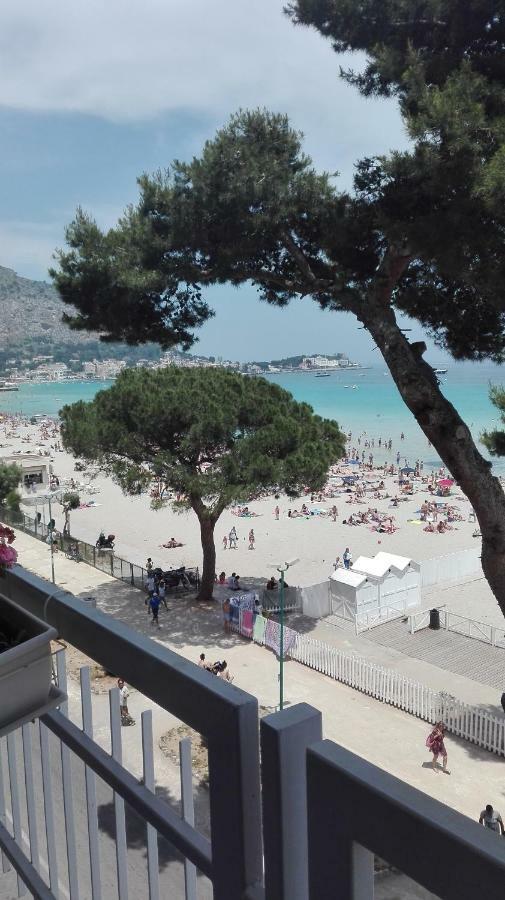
x=186 y=621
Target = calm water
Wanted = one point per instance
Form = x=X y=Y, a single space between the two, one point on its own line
x=373 y=406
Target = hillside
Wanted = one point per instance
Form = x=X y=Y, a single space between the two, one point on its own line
x=32 y=309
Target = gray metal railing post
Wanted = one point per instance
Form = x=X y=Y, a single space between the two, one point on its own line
x=148 y=774
x=353 y=805
x=235 y=811
x=188 y=812
x=90 y=780
x=285 y=737
x=119 y=806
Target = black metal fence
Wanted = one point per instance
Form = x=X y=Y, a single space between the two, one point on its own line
x=104 y=560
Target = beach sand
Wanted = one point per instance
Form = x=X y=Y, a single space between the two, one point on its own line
x=315 y=540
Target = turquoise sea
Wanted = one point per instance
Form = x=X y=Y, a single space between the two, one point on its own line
x=373 y=406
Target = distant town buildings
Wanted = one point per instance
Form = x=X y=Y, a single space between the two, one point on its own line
x=46 y=369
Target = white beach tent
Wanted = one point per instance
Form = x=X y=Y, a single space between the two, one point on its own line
x=383 y=586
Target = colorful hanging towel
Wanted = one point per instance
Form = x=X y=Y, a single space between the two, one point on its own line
x=289 y=640
x=246 y=626
x=273 y=637
x=259 y=629
x=234 y=610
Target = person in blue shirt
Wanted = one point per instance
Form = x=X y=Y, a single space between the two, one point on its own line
x=154 y=605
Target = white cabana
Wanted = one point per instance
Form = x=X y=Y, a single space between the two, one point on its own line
x=376 y=589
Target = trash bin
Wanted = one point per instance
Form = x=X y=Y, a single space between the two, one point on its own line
x=434 y=619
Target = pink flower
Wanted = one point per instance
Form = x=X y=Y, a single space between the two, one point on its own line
x=8 y=556
x=7 y=534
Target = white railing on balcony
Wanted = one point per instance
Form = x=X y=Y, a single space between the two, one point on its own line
x=231 y=859
x=323 y=808
x=33 y=748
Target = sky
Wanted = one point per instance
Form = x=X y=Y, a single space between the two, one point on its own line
x=92 y=94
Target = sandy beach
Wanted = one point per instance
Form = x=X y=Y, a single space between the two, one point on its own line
x=315 y=538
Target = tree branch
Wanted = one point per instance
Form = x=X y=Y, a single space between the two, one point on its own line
x=299 y=257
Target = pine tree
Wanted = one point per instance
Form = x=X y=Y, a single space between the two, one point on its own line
x=214 y=437
x=422 y=231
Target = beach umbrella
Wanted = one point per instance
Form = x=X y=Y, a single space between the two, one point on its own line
x=446 y=482
x=407 y=470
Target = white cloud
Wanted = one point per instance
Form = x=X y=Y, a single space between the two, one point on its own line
x=135 y=59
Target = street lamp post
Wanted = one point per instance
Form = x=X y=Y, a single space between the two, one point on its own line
x=282 y=569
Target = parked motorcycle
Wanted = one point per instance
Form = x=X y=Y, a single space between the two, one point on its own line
x=105 y=543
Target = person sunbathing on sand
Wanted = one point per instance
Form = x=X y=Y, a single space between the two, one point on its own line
x=172 y=543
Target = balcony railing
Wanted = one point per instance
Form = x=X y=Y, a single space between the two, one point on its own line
x=325 y=811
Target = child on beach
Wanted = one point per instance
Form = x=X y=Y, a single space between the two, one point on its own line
x=225 y=542
x=251 y=539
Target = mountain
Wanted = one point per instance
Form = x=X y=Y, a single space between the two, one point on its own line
x=32 y=309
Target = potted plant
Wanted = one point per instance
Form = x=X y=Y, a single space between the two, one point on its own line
x=26 y=689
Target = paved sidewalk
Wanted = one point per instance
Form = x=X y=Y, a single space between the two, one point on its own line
x=389 y=738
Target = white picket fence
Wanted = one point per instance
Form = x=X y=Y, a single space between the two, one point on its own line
x=468 y=722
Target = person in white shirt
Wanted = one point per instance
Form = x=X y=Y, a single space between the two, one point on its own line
x=491 y=819
x=124 y=693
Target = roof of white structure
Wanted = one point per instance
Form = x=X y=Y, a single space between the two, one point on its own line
x=398 y=562
x=381 y=564
x=347 y=576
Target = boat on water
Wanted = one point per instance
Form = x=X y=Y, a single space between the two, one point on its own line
x=440 y=371
x=8 y=386
x=322 y=374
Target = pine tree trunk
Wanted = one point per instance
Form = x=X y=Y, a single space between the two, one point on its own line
x=209 y=558
x=448 y=433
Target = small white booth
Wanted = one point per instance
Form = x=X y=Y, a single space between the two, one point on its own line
x=376 y=589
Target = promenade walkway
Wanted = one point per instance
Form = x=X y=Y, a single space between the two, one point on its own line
x=446 y=649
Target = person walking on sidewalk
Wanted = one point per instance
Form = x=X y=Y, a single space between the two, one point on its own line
x=491 y=818
x=154 y=606
x=435 y=744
